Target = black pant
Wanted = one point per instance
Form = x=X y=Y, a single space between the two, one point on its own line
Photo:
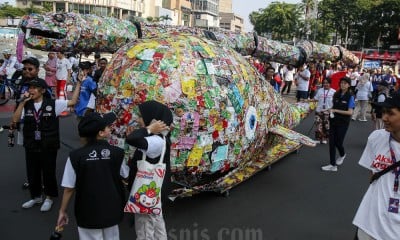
x=288 y=84
x=41 y=172
x=336 y=138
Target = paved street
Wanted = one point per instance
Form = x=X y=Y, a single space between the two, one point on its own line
x=295 y=200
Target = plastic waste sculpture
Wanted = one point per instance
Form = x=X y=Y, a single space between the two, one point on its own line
x=229 y=123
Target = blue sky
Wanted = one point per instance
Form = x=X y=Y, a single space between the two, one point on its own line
x=244 y=7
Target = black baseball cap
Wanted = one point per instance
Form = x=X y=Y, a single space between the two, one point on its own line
x=38 y=82
x=346 y=79
x=85 y=65
x=91 y=124
x=33 y=61
x=392 y=101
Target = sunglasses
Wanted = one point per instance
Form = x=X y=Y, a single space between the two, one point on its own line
x=27 y=69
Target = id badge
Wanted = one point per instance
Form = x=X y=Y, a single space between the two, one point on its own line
x=37 y=135
x=393 y=205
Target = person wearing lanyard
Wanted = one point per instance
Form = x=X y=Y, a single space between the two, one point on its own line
x=340 y=114
x=378 y=215
x=324 y=97
x=41 y=140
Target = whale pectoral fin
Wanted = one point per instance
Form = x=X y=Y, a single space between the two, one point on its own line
x=292 y=135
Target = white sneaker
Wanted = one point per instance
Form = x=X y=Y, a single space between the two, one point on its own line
x=324 y=142
x=329 y=168
x=339 y=160
x=1 y=129
x=46 y=206
x=32 y=202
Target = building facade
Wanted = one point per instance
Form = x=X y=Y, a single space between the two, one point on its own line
x=227 y=19
x=205 y=13
x=193 y=13
x=116 y=8
x=225 y=6
x=179 y=12
x=174 y=12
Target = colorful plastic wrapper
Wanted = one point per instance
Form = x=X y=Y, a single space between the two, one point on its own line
x=222 y=107
x=229 y=123
x=76 y=33
x=279 y=52
x=87 y=33
x=316 y=51
x=348 y=57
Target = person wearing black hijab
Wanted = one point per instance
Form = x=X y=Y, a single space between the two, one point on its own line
x=154 y=120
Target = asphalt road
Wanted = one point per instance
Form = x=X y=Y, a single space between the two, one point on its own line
x=294 y=200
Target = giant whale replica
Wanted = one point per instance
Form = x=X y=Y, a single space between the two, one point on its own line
x=229 y=123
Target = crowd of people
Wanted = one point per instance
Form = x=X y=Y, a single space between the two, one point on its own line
x=358 y=90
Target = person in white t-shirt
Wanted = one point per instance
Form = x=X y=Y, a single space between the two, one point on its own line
x=63 y=75
x=378 y=215
x=302 y=81
x=288 y=77
x=324 y=97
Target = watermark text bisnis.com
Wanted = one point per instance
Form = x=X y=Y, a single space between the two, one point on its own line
x=194 y=232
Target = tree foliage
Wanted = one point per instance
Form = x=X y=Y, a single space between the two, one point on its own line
x=353 y=23
x=8 y=11
x=280 y=20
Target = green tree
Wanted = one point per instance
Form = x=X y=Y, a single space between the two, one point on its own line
x=280 y=20
x=6 y=10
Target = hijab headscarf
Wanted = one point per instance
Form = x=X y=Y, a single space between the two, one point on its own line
x=154 y=110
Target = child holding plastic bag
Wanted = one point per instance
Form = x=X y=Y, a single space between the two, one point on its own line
x=152 y=150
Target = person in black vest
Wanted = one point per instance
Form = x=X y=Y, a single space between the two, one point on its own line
x=41 y=140
x=154 y=120
x=340 y=115
x=94 y=173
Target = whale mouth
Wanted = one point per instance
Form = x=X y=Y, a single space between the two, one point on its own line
x=29 y=32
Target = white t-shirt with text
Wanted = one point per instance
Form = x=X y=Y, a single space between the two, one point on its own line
x=373 y=215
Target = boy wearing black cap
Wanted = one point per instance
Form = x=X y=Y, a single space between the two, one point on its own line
x=378 y=214
x=94 y=173
x=41 y=140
